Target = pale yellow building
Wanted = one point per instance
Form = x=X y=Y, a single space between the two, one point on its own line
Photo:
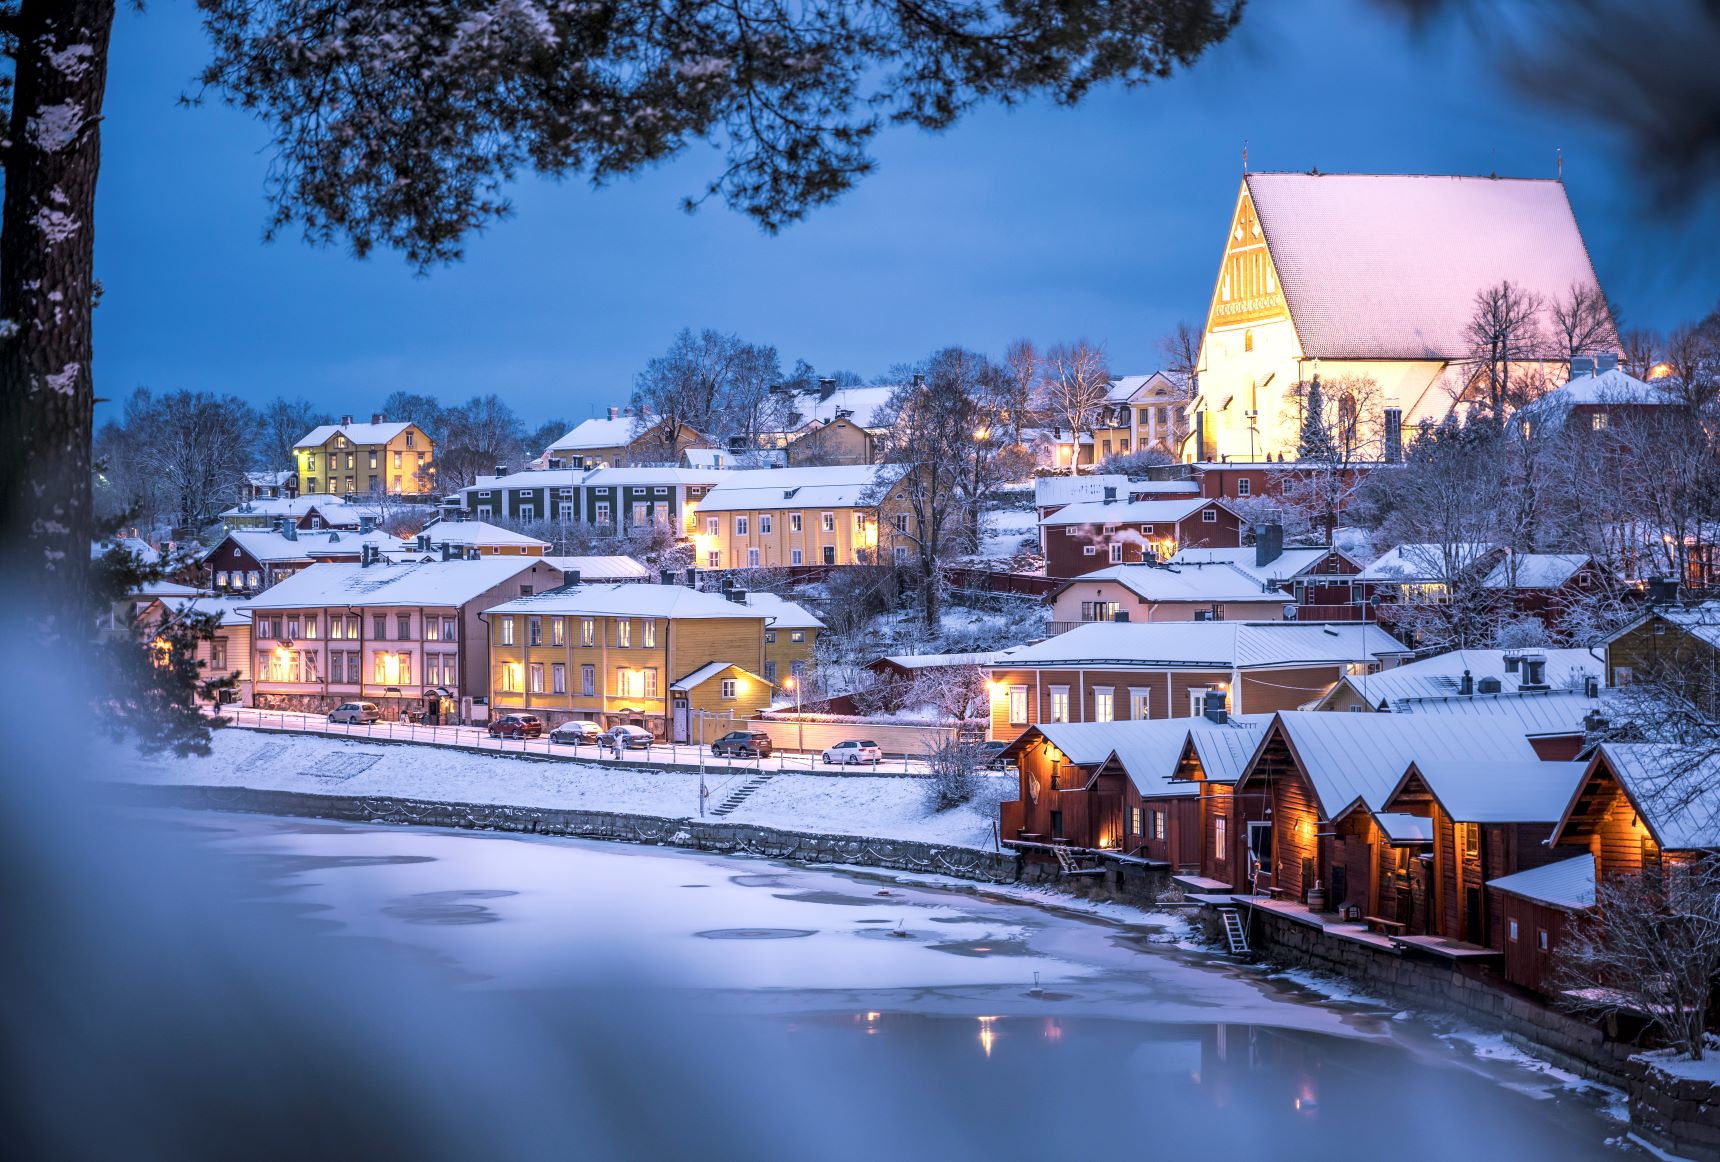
x=671 y=659
x=773 y=517
x=348 y=459
x=1369 y=276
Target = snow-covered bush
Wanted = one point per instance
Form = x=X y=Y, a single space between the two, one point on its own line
x=955 y=774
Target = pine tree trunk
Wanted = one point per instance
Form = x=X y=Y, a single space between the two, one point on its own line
x=47 y=278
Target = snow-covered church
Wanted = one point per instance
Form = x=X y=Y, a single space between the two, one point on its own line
x=1365 y=275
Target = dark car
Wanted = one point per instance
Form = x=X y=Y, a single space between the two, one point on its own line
x=743 y=744
x=516 y=726
x=992 y=752
x=627 y=737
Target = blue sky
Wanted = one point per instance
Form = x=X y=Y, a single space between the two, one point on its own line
x=1104 y=221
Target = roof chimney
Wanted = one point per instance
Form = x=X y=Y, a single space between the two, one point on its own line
x=1466 y=684
x=1110 y=493
x=1534 y=675
x=376 y=417
x=1214 y=707
x=366 y=522
x=1268 y=543
x=570 y=577
x=1120 y=615
x=346 y=421
x=1606 y=361
x=449 y=550
x=614 y=412
x=1582 y=365
x=738 y=596
x=1513 y=662
x=667 y=576
x=366 y=555
x=919 y=379
x=423 y=542
x=501 y=469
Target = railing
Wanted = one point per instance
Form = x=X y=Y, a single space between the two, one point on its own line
x=658 y=756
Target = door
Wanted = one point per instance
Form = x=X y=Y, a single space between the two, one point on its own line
x=681 y=732
x=1474 y=917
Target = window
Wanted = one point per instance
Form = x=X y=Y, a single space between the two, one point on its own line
x=1196 y=703
x=1059 y=704
x=528 y=512
x=558 y=631
x=764 y=522
x=506 y=626
x=564 y=511
x=1248 y=340
x=740 y=526
x=770 y=637
x=1104 y=704
x=399 y=458
x=828 y=522
x=727 y=689
x=534 y=631
x=1089 y=550
x=752 y=558
x=587 y=631
x=1244 y=486
x=293 y=627
x=902 y=522
x=640 y=511
x=448 y=628
x=254 y=579
x=1471 y=839
x=218 y=654
x=410 y=441
x=797 y=635
x=1598 y=422
x=1018 y=705
x=770 y=671
x=534 y=674
x=558 y=678
x=379 y=626
x=1158 y=825
x=1220 y=845
x=311 y=621
x=1621 y=675
x=508 y=680
x=859 y=522
x=623 y=633
x=796 y=557
x=1135 y=826
x=714 y=525
x=1116 y=552
x=1140 y=706
x=1099 y=610
x=900 y=554
x=648 y=634
x=1209 y=516
x=432 y=629
x=794 y=522
x=1512 y=931
x=830 y=554
x=403 y=622
x=603 y=513
x=1541 y=941
x=714 y=559
x=393 y=669
x=588 y=681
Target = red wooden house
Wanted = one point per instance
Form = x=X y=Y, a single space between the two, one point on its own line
x=1088 y=535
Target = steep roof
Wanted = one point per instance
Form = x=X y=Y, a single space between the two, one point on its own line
x=628 y=600
x=1287 y=565
x=1125 y=387
x=1098 y=512
x=1568 y=884
x=436 y=583
x=865 y=405
x=1527 y=791
x=357 y=433
x=1149 y=749
x=1154 y=583
x=268 y=545
x=1205 y=644
x=1676 y=791
x=1347 y=757
x=764 y=489
x=1360 y=283
x=1535 y=570
x=599 y=432
x=781 y=613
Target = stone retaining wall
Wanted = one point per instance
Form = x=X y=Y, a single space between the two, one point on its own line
x=697 y=834
x=1676 y=1115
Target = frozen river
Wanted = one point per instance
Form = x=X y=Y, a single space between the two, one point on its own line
x=683 y=1004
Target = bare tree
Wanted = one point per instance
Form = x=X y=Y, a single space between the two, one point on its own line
x=1582 y=322
x=1342 y=426
x=281 y=424
x=1506 y=341
x=955 y=772
x=1181 y=349
x=482 y=434
x=191 y=450
x=1650 y=948
x=958 y=693
x=1017 y=386
x=715 y=384
x=1074 y=384
x=1693 y=359
x=1639 y=351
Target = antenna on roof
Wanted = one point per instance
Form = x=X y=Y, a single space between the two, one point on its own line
x=1559 y=162
x=1245 y=156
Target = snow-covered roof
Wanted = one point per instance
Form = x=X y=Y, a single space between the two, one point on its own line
x=1676 y=791
x=1149 y=749
x=1286 y=566
x=629 y=600
x=546 y=478
x=1602 y=389
x=160 y=588
x=356 y=433
x=1423 y=562
x=602 y=568
x=1204 y=583
x=708 y=459
x=932 y=661
x=1549 y=713
x=1401 y=828
x=1535 y=570
x=269 y=545
x=229 y=610
x=478 y=532
x=1525 y=791
x=1347 y=757
x=141 y=551
x=863 y=404
x=332 y=509
x=1361 y=286
x=1050 y=490
x=764 y=489
x=1205 y=644
x=598 y=432
x=1568 y=884
x=1130 y=512
x=653 y=474
x=273 y=479
x=708 y=671
x=418 y=583
x=1125 y=387
x=1439 y=677
x=781 y=613
x=1701 y=622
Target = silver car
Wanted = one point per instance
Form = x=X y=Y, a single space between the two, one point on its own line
x=355 y=713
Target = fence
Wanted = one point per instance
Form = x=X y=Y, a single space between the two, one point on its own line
x=1000 y=581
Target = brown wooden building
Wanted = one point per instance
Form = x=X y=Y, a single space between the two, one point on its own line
x=1535 y=909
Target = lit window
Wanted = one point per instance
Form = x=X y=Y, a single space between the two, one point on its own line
x=506 y=626
x=1104 y=704
x=1059 y=704
x=728 y=689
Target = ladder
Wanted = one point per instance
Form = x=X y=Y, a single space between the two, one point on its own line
x=1065 y=861
x=1235 y=935
x=741 y=795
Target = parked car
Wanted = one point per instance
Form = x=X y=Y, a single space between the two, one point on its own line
x=743 y=744
x=992 y=752
x=516 y=726
x=355 y=713
x=574 y=733
x=628 y=736
x=854 y=751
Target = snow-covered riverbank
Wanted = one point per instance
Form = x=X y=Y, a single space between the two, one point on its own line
x=890 y=807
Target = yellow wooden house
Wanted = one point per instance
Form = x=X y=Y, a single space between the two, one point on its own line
x=772 y=517
x=666 y=657
x=348 y=459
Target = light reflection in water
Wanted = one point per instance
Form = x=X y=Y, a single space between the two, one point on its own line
x=986 y=1033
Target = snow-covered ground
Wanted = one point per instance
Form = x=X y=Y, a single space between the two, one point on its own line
x=1002 y=531
x=877 y=806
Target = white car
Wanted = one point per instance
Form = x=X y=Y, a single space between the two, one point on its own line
x=854 y=751
x=355 y=713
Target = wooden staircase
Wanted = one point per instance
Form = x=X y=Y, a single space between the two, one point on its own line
x=1235 y=932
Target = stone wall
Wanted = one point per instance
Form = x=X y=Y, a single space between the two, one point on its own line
x=1677 y=1115
x=698 y=834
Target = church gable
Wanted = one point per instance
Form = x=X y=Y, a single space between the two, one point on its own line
x=1248 y=291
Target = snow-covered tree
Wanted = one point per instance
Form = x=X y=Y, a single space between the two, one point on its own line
x=1074 y=382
